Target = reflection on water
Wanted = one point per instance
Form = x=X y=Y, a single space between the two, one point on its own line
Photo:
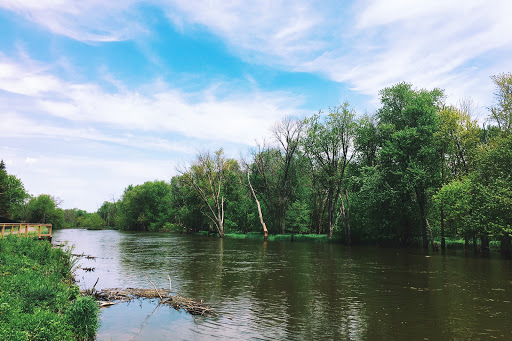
x=295 y=291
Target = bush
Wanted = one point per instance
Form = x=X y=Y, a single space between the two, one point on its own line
x=83 y=317
x=37 y=294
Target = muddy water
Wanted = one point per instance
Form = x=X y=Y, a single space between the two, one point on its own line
x=295 y=291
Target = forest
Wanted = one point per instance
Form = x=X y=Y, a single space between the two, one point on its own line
x=415 y=171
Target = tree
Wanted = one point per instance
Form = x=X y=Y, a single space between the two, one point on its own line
x=108 y=212
x=43 y=209
x=408 y=156
x=501 y=113
x=458 y=138
x=207 y=177
x=328 y=141
x=287 y=133
x=145 y=207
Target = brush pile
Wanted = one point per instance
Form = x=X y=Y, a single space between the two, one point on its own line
x=108 y=297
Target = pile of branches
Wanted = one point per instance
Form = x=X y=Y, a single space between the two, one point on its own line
x=108 y=297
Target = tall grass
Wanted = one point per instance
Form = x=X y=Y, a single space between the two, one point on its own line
x=38 y=300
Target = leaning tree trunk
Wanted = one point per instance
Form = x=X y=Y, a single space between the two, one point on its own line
x=265 y=231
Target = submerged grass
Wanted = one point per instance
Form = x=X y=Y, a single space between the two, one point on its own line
x=323 y=238
x=38 y=300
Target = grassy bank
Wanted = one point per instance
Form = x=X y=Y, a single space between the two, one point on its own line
x=38 y=300
x=280 y=237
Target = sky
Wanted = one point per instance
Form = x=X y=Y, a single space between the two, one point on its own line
x=96 y=95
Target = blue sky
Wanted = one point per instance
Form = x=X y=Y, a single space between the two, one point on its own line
x=97 y=95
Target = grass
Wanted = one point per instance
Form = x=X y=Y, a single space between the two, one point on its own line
x=38 y=300
x=323 y=238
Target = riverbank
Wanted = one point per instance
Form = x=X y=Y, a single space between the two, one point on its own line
x=39 y=300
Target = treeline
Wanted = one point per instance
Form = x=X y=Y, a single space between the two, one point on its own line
x=415 y=170
x=17 y=204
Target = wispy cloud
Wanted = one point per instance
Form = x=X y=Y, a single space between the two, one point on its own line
x=92 y=20
x=368 y=45
x=208 y=115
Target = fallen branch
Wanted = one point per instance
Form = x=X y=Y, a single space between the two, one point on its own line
x=108 y=297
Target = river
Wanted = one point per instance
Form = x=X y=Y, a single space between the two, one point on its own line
x=295 y=290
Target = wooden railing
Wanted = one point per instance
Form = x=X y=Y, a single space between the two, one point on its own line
x=17 y=228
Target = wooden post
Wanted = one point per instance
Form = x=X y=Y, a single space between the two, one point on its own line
x=3 y=230
x=26 y=230
x=39 y=232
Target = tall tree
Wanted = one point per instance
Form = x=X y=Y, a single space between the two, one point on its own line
x=501 y=113
x=287 y=133
x=328 y=142
x=207 y=177
x=409 y=158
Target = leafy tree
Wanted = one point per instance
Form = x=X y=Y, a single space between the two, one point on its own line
x=145 y=207
x=94 y=221
x=12 y=193
x=43 y=209
x=108 y=212
x=408 y=156
x=328 y=141
x=207 y=176
x=501 y=113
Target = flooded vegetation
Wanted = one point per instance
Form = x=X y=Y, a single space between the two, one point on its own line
x=294 y=291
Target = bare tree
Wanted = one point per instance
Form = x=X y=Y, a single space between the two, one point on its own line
x=207 y=177
x=287 y=133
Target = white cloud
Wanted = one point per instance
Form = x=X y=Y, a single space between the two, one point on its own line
x=73 y=140
x=239 y=117
x=91 y=20
x=368 y=45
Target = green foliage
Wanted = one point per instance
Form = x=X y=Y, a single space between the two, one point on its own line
x=82 y=315
x=12 y=193
x=94 y=222
x=145 y=207
x=37 y=292
x=501 y=113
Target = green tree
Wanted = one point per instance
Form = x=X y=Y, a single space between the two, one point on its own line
x=108 y=212
x=501 y=113
x=94 y=221
x=12 y=193
x=328 y=141
x=408 y=155
x=43 y=209
x=207 y=176
x=145 y=207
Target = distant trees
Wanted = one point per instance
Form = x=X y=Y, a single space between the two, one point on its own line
x=416 y=169
x=12 y=192
x=145 y=207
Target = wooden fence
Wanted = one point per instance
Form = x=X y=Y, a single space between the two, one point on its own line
x=27 y=230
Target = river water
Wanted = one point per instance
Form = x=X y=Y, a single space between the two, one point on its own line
x=295 y=290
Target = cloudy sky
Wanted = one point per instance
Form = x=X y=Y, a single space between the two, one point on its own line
x=96 y=95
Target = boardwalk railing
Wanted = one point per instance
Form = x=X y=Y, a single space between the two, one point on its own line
x=44 y=231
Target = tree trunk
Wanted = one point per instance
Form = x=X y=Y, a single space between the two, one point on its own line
x=421 y=203
x=330 y=212
x=475 y=246
x=265 y=231
x=434 y=247
x=443 y=242
x=506 y=246
x=485 y=243
x=283 y=215
x=347 y=220
x=443 y=245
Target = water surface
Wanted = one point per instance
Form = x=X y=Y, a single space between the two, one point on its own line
x=295 y=290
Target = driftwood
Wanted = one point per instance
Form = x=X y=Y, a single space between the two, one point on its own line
x=108 y=297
